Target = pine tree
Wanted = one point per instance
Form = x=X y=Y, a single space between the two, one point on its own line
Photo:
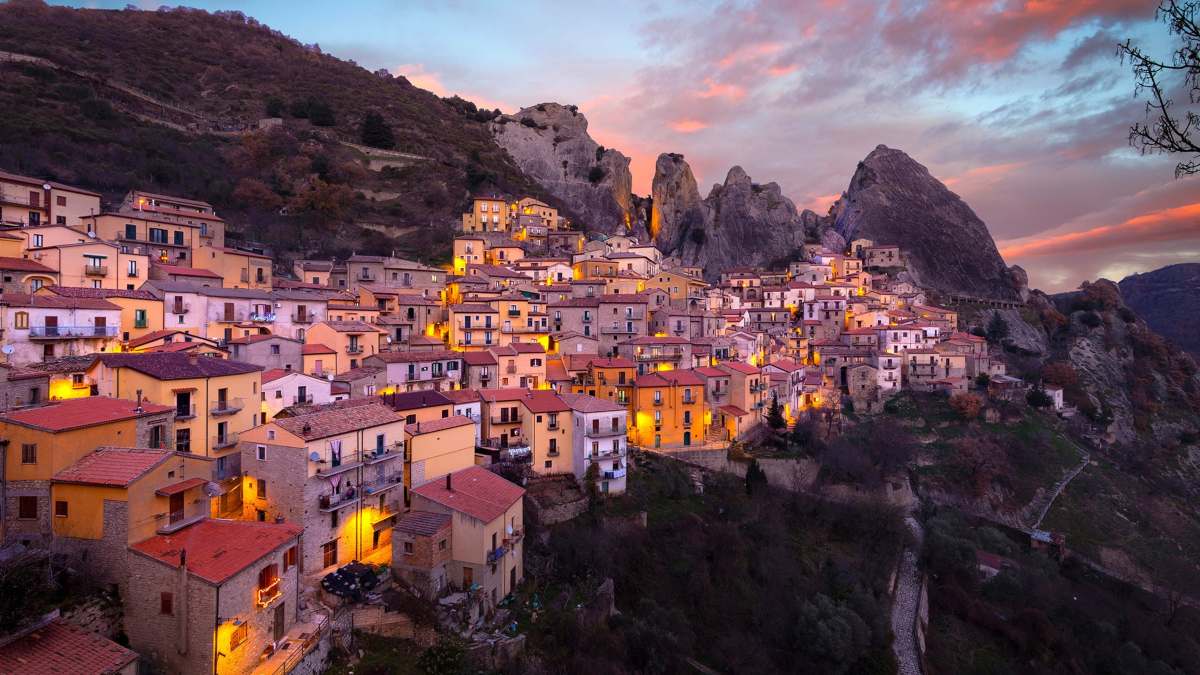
x=775 y=414
x=376 y=132
x=756 y=478
x=997 y=328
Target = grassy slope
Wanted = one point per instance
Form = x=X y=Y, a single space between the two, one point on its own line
x=227 y=68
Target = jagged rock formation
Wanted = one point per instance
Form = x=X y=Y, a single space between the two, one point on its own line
x=1168 y=299
x=892 y=199
x=550 y=143
x=739 y=223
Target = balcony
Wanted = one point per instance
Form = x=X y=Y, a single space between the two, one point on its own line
x=496 y=554
x=658 y=401
x=227 y=440
x=337 y=500
x=302 y=317
x=390 y=451
x=96 y=270
x=262 y=317
x=615 y=473
x=509 y=419
x=617 y=329
x=226 y=406
x=306 y=399
x=185 y=412
x=264 y=595
x=180 y=518
x=374 y=487
x=607 y=431
x=658 y=356
x=68 y=332
x=354 y=349
x=511 y=368
x=514 y=312
x=229 y=317
x=553 y=453
x=518 y=329
x=180 y=308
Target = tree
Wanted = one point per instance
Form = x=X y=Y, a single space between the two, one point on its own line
x=1164 y=130
x=966 y=405
x=1037 y=398
x=997 y=328
x=320 y=113
x=982 y=380
x=756 y=478
x=275 y=107
x=376 y=132
x=775 y=414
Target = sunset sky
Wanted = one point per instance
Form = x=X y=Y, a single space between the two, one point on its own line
x=1021 y=108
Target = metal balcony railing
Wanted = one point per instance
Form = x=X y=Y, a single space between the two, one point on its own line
x=227 y=440
x=95 y=270
x=306 y=399
x=180 y=308
x=185 y=412
x=227 y=406
x=354 y=349
x=62 y=332
x=302 y=317
x=229 y=317
x=606 y=431
x=511 y=419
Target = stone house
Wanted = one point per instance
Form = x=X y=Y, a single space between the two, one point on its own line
x=422 y=548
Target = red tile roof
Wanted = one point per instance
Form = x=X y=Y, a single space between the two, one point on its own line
x=117 y=467
x=475 y=491
x=744 y=368
x=178 y=271
x=274 y=374
x=709 y=371
x=316 y=348
x=58 y=647
x=24 y=265
x=417 y=356
x=77 y=413
x=176 y=366
x=438 y=424
x=482 y=358
x=74 y=292
x=154 y=335
x=733 y=410
x=668 y=378
x=180 y=487
x=462 y=395
x=326 y=423
x=540 y=401
x=54 y=302
x=352 y=326
x=219 y=549
x=423 y=523
x=590 y=404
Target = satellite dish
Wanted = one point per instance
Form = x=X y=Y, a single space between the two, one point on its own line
x=314 y=456
x=212 y=489
x=46 y=186
x=8 y=349
x=91 y=235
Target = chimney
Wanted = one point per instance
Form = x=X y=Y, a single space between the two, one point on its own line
x=449 y=486
x=138 y=409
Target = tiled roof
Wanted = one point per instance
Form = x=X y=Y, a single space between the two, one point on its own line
x=179 y=271
x=171 y=347
x=24 y=265
x=117 y=467
x=412 y=400
x=352 y=326
x=251 y=339
x=668 y=378
x=733 y=410
x=555 y=371
x=77 y=413
x=218 y=549
x=482 y=358
x=528 y=348
x=744 y=368
x=540 y=401
x=590 y=404
x=274 y=374
x=709 y=371
x=169 y=366
x=155 y=335
x=54 y=302
x=438 y=424
x=462 y=395
x=58 y=647
x=422 y=523
x=316 y=348
x=417 y=356
x=73 y=292
x=612 y=362
x=180 y=487
x=475 y=491
x=473 y=308
x=326 y=423
x=358 y=373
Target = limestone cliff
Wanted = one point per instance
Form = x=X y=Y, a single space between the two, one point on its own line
x=892 y=199
x=739 y=223
x=550 y=143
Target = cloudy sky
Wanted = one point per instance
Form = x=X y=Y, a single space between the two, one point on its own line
x=1022 y=108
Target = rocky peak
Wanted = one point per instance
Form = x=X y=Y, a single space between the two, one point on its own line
x=1168 y=300
x=893 y=199
x=550 y=143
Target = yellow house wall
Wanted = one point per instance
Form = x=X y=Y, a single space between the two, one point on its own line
x=642 y=431
x=442 y=452
x=58 y=451
x=85 y=509
x=538 y=436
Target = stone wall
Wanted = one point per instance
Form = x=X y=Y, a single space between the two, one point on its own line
x=35 y=532
x=105 y=559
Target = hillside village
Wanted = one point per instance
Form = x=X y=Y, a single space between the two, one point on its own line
x=238 y=448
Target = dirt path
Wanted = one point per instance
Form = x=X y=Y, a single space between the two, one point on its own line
x=907 y=603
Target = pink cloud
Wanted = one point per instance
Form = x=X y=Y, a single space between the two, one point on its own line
x=688 y=126
x=714 y=89
x=420 y=77
x=1170 y=224
x=989 y=173
x=749 y=52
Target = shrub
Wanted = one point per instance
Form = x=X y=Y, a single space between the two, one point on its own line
x=966 y=405
x=1038 y=398
x=275 y=107
x=982 y=380
x=376 y=133
x=529 y=122
x=997 y=328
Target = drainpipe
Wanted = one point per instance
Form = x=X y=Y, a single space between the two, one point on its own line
x=181 y=645
x=216 y=625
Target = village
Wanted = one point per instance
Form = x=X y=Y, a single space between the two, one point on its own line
x=239 y=449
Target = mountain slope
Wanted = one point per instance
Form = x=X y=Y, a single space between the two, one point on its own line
x=132 y=98
x=892 y=199
x=1168 y=299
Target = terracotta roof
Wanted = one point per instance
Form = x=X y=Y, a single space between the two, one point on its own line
x=733 y=410
x=417 y=356
x=590 y=404
x=156 y=335
x=539 y=401
x=462 y=395
x=24 y=265
x=326 y=423
x=352 y=326
x=709 y=371
x=219 y=549
x=612 y=362
x=744 y=368
x=274 y=374
x=438 y=424
x=175 y=366
x=316 y=348
x=481 y=358
x=528 y=347
x=73 y=292
x=412 y=400
x=357 y=373
x=173 y=347
x=179 y=271
x=475 y=491
x=117 y=467
x=77 y=413
x=468 y=308
x=667 y=378
x=54 y=302
x=58 y=647
x=423 y=523
x=180 y=487
x=251 y=339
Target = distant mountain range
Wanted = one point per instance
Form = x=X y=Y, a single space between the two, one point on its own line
x=1168 y=300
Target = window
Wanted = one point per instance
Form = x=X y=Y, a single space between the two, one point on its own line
x=261 y=489
x=60 y=509
x=29 y=453
x=408 y=548
x=289 y=559
x=183 y=440
x=21 y=320
x=442 y=545
x=166 y=603
x=38 y=240
x=329 y=553
x=60 y=200
x=238 y=636
x=27 y=508
x=261 y=453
